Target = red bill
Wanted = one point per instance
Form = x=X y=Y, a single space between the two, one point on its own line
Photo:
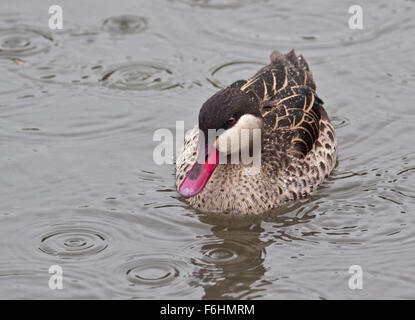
x=200 y=173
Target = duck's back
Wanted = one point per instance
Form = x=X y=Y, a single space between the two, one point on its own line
x=288 y=103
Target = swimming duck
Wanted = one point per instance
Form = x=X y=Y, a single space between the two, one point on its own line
x=298 y=146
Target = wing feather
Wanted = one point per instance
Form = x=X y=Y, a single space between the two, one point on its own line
x=285 y=90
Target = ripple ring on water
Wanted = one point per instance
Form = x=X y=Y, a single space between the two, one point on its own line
x=140 y=76
x=22 y=42
x=215 y=254
x=125 y=24
x=73 y=242
x=151 y=271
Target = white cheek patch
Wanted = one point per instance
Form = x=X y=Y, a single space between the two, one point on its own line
x=239 y=137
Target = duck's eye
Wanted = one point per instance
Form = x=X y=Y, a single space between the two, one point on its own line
x=231 y=121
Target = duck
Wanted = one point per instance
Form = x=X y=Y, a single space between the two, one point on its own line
x=297 y=142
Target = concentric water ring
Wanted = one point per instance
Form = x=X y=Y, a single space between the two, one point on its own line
x=216 y=254
x=224 y=74
x=73 y=242
x=125 y=24
x=23 y=41
x=152 y=271
x=140 y=76
x=152 y=275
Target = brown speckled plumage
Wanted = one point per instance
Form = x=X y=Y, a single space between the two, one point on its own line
x=299 y=147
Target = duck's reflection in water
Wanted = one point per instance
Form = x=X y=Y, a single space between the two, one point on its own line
x=231 y=258
x=230 y=264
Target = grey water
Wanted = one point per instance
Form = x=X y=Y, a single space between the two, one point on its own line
x=79 y=187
